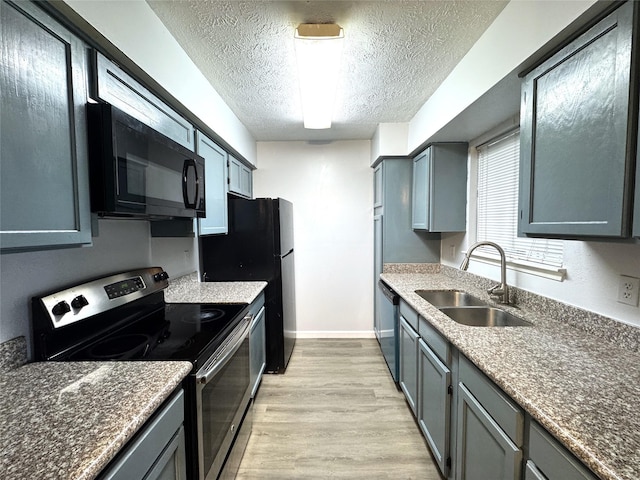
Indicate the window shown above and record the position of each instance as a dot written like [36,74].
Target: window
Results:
[497,207]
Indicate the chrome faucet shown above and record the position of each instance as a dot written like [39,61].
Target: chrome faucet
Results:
[502,290]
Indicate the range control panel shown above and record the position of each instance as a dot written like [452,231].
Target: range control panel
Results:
[124,287]
[85,300]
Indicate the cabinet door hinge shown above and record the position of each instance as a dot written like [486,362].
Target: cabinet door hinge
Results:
[450,389]
[448,462]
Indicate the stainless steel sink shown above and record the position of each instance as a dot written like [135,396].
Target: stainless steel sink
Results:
[450,298]
[484,317]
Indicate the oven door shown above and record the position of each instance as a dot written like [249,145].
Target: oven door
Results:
[222,396]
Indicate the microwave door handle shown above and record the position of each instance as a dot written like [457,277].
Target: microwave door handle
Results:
[189,162]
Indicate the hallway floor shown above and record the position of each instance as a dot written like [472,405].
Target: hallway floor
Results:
[335,413]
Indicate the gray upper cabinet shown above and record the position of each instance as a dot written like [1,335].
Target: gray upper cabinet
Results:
[215,172]
[440,188]
[377,186]
[577,150]
[44,190]
[392,197]
[240,178]
[113,85]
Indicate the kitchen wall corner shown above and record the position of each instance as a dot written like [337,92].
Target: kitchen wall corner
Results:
[121,245]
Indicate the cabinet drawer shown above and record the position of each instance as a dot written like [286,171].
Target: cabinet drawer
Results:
[409,314]
[436,342]
[503,410]
[532,473]
[552,460]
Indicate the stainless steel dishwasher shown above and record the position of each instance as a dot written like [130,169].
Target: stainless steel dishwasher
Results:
[388,333]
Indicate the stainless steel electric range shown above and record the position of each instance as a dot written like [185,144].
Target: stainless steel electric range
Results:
[125,317]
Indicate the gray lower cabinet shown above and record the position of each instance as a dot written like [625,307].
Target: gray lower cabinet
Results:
[439,195]
[532,473]
[240,178]
[257,343]
[577,147]
[434,404]
[490,430]
[215,171]
[112,84]
[44,180]
[473,429]
[258,350]
[157,452]
[408,371]
[636,211]
[548,460]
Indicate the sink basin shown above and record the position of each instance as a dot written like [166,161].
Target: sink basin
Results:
[484,317]
[450,298]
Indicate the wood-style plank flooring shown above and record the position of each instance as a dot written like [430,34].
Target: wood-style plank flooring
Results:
[335,413]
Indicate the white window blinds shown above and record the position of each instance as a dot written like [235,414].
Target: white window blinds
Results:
[497,221]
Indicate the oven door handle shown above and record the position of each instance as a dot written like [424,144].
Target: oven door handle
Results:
[227,352]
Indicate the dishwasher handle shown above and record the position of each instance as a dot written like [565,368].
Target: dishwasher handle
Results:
[388,292]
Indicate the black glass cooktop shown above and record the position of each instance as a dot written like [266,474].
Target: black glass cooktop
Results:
[176,332]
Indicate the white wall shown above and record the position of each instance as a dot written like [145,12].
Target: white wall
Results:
[521,29]
[331,187]
[136,30]
[121,245]
[389,139]
[524,27]
[593,268]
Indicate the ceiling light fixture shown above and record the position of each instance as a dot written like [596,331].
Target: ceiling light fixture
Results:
[318,51]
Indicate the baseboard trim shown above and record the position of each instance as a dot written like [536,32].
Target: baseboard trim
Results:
[336,334]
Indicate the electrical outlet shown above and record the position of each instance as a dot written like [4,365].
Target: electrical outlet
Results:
[628,288]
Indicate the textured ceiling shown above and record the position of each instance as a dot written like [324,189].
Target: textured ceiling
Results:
[396,53]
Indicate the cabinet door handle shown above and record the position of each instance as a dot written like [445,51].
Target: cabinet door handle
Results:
[188,163]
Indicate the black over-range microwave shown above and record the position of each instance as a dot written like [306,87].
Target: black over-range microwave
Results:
[136,171]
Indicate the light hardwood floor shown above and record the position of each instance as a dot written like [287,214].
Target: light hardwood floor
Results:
[335,413]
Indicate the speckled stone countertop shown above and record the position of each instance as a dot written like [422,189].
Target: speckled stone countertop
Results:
[187,289]
[67,420]
[574,372]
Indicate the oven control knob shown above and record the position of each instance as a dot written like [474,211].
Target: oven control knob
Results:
[158,277]
[79,302]
[61,308]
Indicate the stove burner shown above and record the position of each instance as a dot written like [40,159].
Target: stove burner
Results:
[206,315]
[121,347]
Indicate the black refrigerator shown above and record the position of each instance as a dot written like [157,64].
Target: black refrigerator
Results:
[259,246]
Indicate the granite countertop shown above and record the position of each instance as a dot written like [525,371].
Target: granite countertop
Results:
[188,289]
[581,385]
[67,420]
